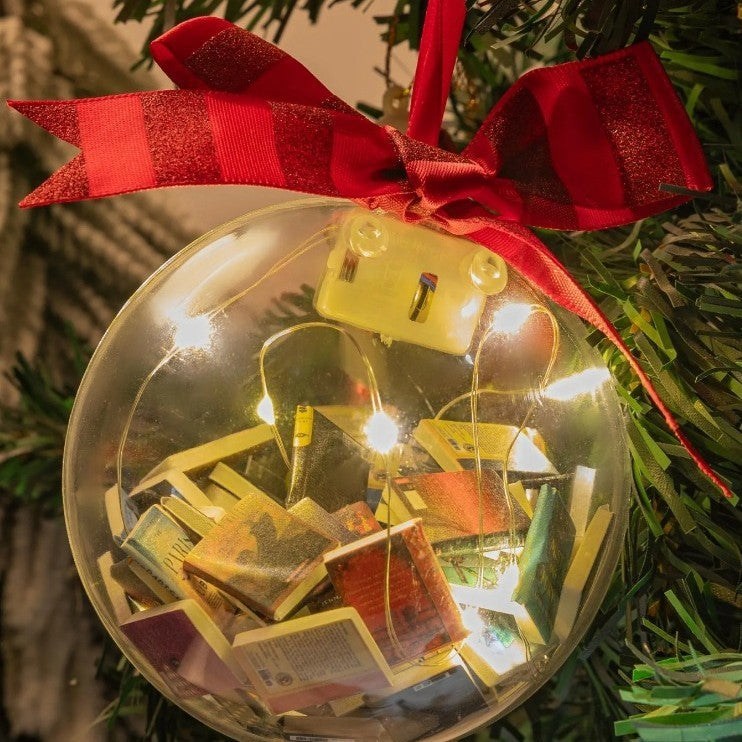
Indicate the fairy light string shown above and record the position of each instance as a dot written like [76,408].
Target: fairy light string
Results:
[383,426]
[377,415]
[179,344]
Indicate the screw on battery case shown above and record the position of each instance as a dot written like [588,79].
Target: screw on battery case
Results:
[408,283]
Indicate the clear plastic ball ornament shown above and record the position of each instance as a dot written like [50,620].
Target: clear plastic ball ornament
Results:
[330,475]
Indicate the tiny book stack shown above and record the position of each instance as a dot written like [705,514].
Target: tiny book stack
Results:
[328,464]
[449,504]
[422,615]
[312,660]
[262,555]
[451,444]
[543,566]
[157,546]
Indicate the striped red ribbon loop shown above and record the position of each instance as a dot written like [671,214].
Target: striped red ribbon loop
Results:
[584,145]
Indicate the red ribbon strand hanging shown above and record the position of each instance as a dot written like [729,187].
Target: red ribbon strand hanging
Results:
[583,145]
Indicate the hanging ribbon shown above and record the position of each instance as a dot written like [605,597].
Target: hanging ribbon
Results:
[583,145]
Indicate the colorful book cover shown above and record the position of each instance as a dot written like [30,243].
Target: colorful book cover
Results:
[319,519]
[543,566]
[158,546]
[312,660]
[424,616]
[449,505]
[186,648]
[485,582]
[262,555]
[328,464]
[358,518]
[464,570]
[451,444]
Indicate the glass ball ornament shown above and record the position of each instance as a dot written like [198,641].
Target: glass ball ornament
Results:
[330,475]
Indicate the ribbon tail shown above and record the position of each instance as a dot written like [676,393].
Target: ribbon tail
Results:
[59,118]
[139,141]
[534,260]
[590,144]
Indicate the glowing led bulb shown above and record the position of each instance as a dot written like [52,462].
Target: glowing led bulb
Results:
[571,387]
[192,332]
[265,410]
[509,320]
[381,432]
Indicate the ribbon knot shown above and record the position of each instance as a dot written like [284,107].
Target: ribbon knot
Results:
[438,186]
[584,145]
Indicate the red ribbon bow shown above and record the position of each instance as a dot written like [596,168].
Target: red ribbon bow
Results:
[584,145]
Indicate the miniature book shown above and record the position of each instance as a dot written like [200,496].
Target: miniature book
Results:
[427,706]
[319,519]
[121,515]
[579,571]
[132,585]
[158,545]
[311,660]
[423,615]
[194,460]
[170,483]
[186,648]
[451,444]
[580,500]
[327,463]
[227,478]
[220,497]
[463,571]
[358,518]
[485,581]
[262,555]
[448,503]
[543,566]
[115,592]
[390,509]
[191,519]
[495,647]
[520,493]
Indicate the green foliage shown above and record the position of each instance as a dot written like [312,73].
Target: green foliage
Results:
[32,438]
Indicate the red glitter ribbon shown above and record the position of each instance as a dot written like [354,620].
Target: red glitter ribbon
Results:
[584,145]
